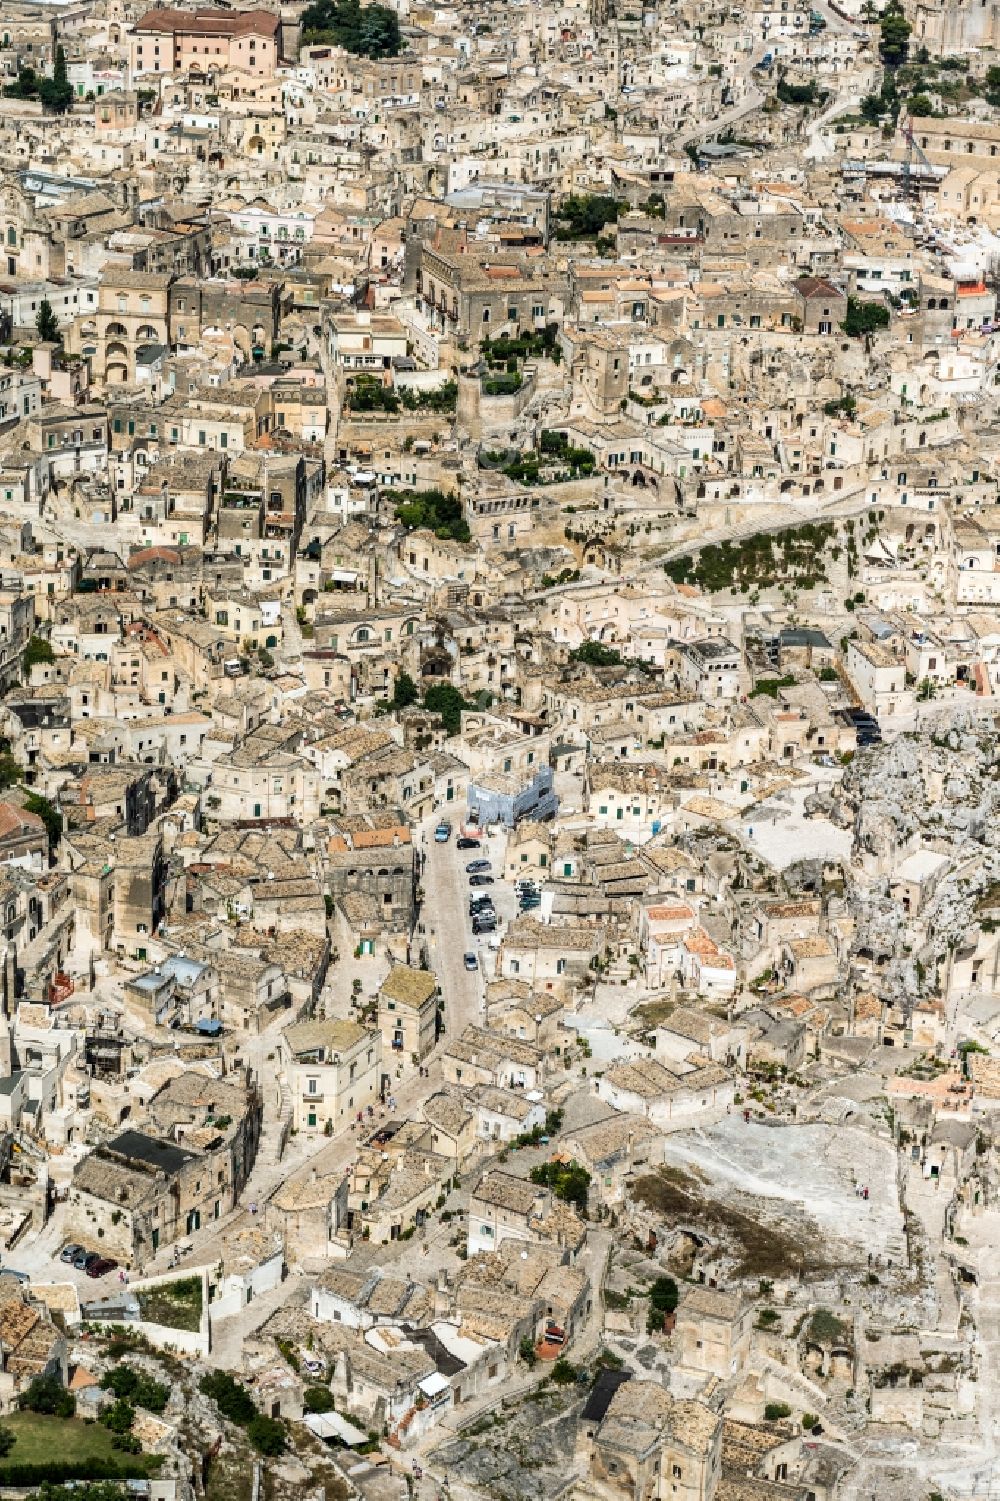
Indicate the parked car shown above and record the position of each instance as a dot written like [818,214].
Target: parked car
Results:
[465,843]
[471,961]
[68,1253]
[442,833]
[475,865]
[481,880]
[101,1267]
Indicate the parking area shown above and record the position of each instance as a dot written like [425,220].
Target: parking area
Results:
[449,925]
[39,1259]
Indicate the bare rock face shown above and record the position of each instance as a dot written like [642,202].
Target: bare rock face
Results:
[830,805]
[933,791]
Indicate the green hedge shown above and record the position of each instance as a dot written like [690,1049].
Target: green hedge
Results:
[58,1471]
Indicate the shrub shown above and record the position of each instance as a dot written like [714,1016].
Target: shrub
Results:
[48,1396]
[596,654]
[266,1434]
[37,650]
[864,317]
[583,216]
[119,1417]
[318,1399]
[775,1411]
[662,1300]
[230,1396]
[440,513]
[370,31]
[60,1472]
[135,1386]
[568,1181]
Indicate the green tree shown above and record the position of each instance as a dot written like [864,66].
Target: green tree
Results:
[230,1396]
[895,39]
[583,216]
[47,812]
[318,1399]
[119,1417]
[25,85]
[864,317]
[46,324]
[920,104]
[132,1385]
[266,1434]
[371,31]
[440,513]
[56,93]
[38,649]
[526,1350]
[662,1300]
[11,771]
[568,1181]
[404,692]
[8,1438]
[47,1395]
[445,700]
[596,654]
[796,93]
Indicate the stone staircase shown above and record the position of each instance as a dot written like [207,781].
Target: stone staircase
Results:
[274,1137]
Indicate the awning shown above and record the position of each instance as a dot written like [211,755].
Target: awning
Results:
[329,1425]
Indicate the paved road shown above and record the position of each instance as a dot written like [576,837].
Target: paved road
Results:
[447,921]
[448,926]
[750,102]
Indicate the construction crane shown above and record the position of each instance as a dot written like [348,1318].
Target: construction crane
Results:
[911,188]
